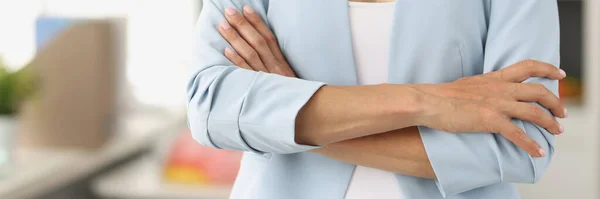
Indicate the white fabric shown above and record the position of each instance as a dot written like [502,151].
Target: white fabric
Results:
[371,25]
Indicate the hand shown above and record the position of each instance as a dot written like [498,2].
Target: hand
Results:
[486,103]
[482,103]
[256,46]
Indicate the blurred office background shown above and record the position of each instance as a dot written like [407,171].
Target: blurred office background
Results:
[105,109]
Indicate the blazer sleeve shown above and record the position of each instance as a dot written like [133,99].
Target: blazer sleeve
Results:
[517,30]
[238,109]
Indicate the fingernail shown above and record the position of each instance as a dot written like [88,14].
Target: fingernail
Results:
[542,152]
[562,73]
[248,9]
[561,128]
[230,11]
[566,113]
[229,51]
[225,25]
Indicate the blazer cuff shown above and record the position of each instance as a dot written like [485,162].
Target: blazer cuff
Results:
[458,162]
[268,114]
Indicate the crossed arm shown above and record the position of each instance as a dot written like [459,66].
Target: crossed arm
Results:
[383,150]
[399,151]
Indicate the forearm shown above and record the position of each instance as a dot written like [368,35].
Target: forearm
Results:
[399,151]
[337,113]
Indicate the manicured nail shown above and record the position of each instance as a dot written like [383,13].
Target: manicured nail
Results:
[229,51]
[542,152]
[566,113]
[225,25]
[230,11]
[248,9]
[562,73]
[561,128]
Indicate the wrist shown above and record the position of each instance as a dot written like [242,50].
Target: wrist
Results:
[408,104]
[428,104]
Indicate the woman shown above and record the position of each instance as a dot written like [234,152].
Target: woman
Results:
[429,70]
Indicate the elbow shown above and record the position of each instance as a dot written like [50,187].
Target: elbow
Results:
[536,167]
[546,141]
[516,165]
[213,116]
[200,134]
[197,123]
[198,114]
[540,165]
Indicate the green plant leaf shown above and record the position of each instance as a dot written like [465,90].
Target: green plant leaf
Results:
[15,88]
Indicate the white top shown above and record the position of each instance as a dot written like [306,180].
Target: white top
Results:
[371,25]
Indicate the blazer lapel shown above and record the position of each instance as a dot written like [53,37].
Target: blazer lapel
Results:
[315,38]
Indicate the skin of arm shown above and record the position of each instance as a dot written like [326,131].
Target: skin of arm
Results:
[399,151]
[325,119]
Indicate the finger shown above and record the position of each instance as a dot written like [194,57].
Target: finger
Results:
[523,70]
[236,59]
[518,137]
[531,113]
[241,47]
[540,94]
[256,21]
[266,33]
[252,37]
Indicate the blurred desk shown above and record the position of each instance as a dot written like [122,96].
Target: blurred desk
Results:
[141,180]
[40,171]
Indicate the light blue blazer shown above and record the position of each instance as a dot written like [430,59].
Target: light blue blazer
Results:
[433,41]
